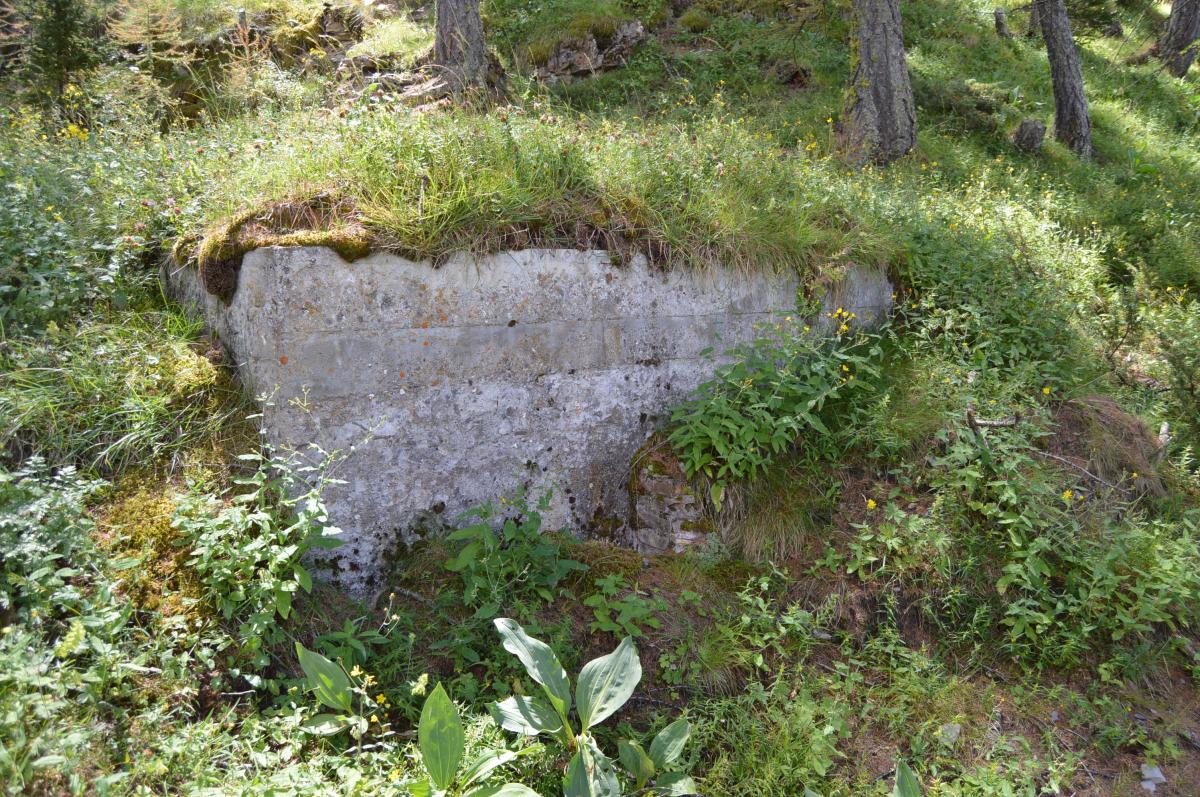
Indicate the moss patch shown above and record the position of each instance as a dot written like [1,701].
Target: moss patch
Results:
[695,20]
[318,220]
[332,28]
[136,522]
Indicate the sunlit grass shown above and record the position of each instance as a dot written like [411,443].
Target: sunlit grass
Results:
[399,37]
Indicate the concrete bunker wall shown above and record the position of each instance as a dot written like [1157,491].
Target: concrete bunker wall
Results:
[449,387]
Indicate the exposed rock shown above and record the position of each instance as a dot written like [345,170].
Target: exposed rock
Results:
[1029,136]
[1152,778]
[949,733]
[370,65]
[1002,24]
[790,73]
[858,296]
[665,512]
[331,32]
[587,56]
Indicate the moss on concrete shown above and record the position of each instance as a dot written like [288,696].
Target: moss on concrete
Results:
[313,221]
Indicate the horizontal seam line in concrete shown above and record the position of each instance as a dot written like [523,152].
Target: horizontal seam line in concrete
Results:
[502,326]
[531,378]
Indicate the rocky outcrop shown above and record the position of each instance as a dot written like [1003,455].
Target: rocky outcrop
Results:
[589,55]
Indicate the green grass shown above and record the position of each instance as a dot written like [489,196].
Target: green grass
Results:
[697,156]
[425,186]
[133,390]
[1023,281]
[399,37]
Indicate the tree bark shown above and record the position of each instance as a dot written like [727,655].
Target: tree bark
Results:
[1035,20]
[458,45]
[1177,46]
[881,120]
[1002,23]
[1072,124]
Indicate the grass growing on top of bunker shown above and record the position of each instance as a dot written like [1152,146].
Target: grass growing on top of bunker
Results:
[700,151]
[981,565]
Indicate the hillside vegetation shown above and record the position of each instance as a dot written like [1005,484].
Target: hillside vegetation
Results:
[959,555]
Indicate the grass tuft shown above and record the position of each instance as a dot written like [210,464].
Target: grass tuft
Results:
[107,395]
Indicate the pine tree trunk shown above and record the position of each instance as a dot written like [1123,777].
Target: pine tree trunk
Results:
[1035,20]
[1072,124]
[881,120]
[458,46]
[1177,46]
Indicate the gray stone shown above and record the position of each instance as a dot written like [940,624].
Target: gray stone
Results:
[666,514]
[949,733]
[1029,135]
[1153,774]
[460,384]
[863,294]
[587,56]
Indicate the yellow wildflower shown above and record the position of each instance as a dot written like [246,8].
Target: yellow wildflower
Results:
[871,503]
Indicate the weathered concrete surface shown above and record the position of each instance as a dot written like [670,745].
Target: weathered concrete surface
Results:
[456,385]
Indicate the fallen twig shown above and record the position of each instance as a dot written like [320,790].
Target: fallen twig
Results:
[1078,467]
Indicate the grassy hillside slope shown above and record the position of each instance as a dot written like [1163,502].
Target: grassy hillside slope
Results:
[977,554]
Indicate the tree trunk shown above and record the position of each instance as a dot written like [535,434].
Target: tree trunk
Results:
[1072,125]
[881,120]
[458,45]
[1177,46]
[1035,20]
